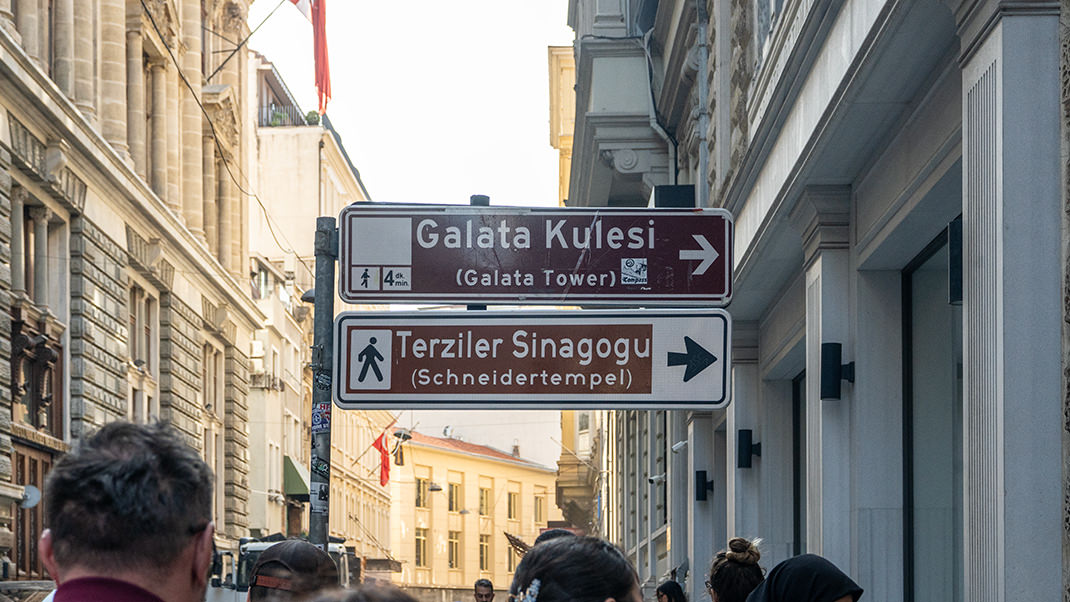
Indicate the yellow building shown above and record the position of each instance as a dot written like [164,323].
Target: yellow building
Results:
[452,503]
[562,112]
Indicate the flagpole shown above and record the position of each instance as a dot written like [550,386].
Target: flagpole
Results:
[242,43]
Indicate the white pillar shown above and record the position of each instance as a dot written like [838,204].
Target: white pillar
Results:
[174,140]
[1012,302]
[210,212]
[84,58]
[7,18]
[742,413]
[113,74]
[192,122]
[158,72]
[701,515]
[27,25]
[135,100]
[822,216]
[40,216]
[63,45]
[18,241]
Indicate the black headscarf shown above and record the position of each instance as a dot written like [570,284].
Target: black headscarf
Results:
[806,578]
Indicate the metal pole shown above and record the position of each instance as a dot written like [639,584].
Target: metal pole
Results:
[322,367]
[478,200]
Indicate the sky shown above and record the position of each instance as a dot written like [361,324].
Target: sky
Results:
[435,100]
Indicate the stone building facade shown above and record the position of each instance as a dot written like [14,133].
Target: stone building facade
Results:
[123,240]
[894,175]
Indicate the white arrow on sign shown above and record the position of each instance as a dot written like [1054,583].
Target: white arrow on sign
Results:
[707,254]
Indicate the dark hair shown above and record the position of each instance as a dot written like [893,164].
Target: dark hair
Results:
[366,593]
[483,583]
[129,496]
[583,569]
[673,591]
[549,534]
[735,571]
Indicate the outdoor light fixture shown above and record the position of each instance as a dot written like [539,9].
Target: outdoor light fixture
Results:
[832,371]
[745,448]
[434,487]
[309,296]
[702,486]
[403,434]
[679,445]
[658,478]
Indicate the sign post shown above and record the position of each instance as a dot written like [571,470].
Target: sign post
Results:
[669,359]
[465,254]
[322,368]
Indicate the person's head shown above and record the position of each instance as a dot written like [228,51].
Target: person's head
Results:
[806,578]
[365,593]
[291,570]
[549,534]
[580,569]
[735,571]
[484,590]
[131,502]
[670,591]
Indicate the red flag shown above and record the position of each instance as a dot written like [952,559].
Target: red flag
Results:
[305,6]
[319,45]
[384,458]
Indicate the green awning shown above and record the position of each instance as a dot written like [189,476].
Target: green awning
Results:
[295,479]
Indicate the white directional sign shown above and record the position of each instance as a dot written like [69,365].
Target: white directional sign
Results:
[524,359]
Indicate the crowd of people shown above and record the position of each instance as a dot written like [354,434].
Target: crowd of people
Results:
[129,515]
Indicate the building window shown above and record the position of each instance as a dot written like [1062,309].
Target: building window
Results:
[511,559]
[583,421]
[484,552]
[141,307]
[766,15]
[421,547]
[423,492]
[514,505]
[455,497]
[454,542]
[540,512]
[37,390]
[484,501]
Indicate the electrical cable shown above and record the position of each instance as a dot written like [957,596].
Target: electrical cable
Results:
[219,146]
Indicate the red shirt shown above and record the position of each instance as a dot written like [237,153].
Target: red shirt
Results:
[102,589]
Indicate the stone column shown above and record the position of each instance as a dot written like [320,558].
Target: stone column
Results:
[18,241]
[822,216]
[113,74]
[27,26]
[63,45]
[135,100]
[40,217]
[210,186]
[84,78]
[743,413]
[1012,211]
[158,72]
[226,208]
[192,121]
[174,141]
[7,18]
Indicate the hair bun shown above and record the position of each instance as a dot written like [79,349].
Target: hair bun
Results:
[743,551]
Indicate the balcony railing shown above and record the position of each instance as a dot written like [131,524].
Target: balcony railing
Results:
[280,115]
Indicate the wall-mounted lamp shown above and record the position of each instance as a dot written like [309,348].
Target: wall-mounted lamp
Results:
[702,485]
[434,487]
[679,445]
[658,478]
[746,447]
[403,434]
[832,371]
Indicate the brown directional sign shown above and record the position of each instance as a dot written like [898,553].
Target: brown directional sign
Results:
[526,359]
[515,255]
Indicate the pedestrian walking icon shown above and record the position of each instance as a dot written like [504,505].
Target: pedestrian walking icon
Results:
[364,284]
[370,357]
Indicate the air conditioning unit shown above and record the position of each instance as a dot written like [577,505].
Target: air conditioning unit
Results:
[256,365]
[256,349]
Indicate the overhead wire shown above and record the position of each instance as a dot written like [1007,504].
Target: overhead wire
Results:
[287,248]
